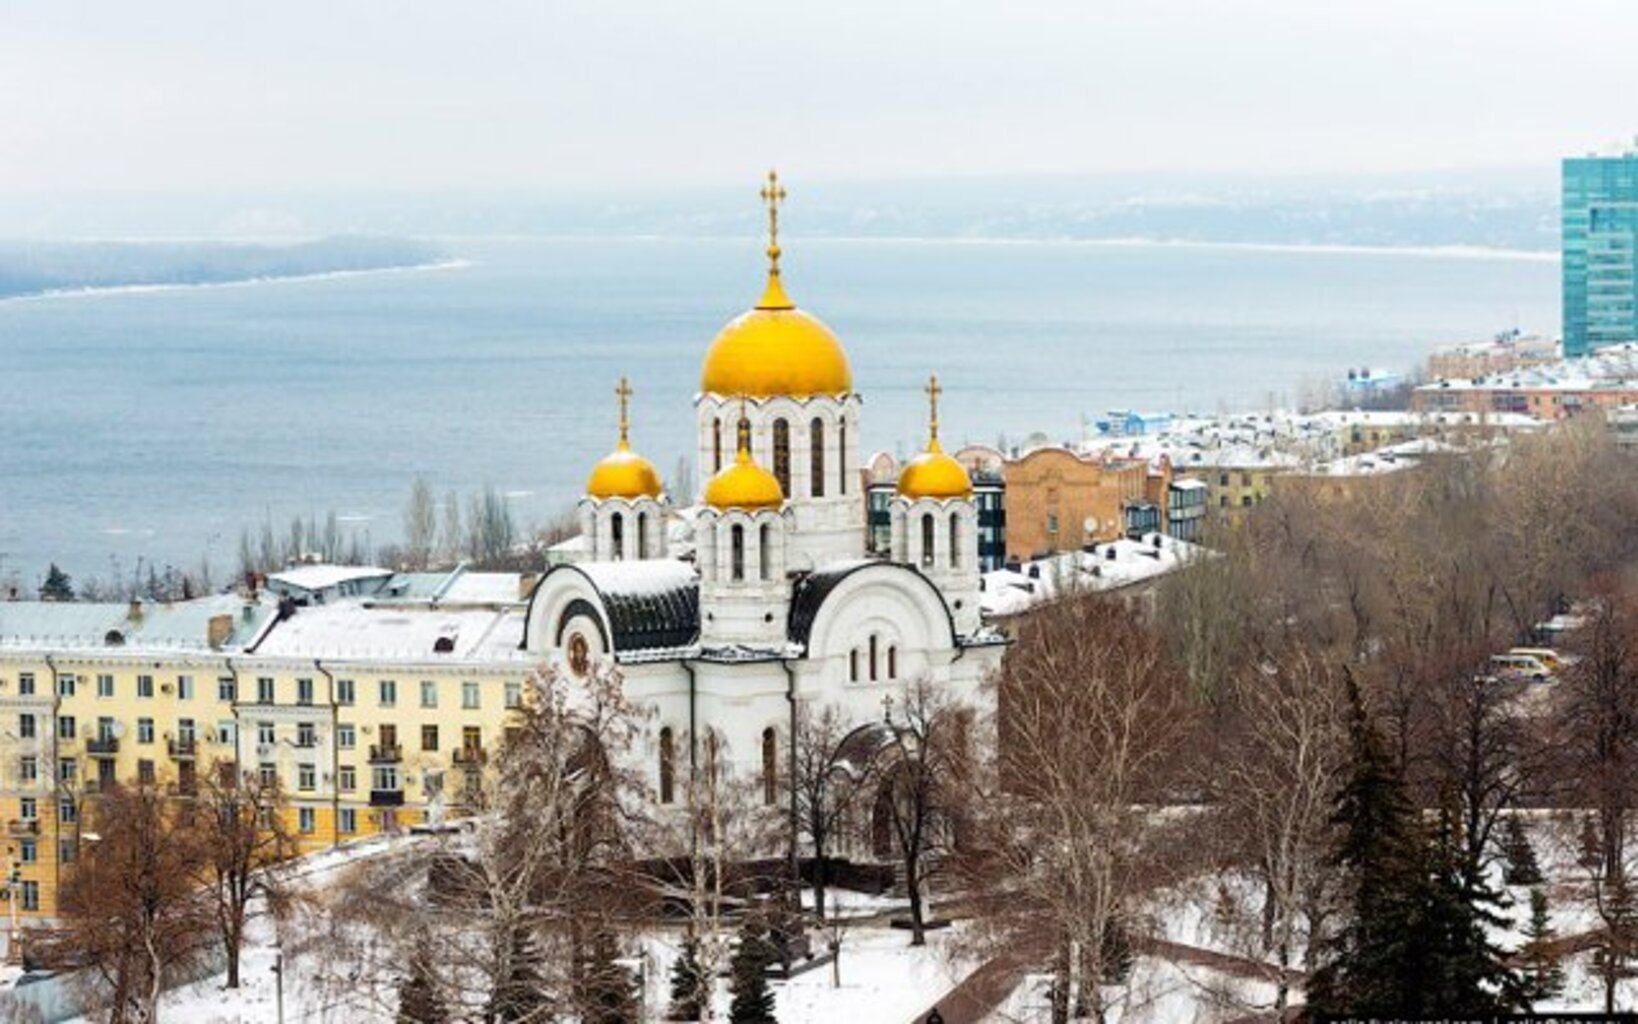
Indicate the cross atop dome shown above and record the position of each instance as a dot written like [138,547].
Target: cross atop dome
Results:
[933,391]
[622,392]
[773,296]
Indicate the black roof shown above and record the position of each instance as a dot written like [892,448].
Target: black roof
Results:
[654,618]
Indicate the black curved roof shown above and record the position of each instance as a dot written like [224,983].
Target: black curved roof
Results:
[809,593]
[648,619]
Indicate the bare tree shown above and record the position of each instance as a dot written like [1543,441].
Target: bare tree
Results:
[919,778]
[420,525]
[239,825]
[824,788]
[132,911]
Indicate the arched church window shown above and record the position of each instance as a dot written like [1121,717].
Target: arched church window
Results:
[736,552]
[617,535]
[841,457]
[716,444]
[816,468]
[873,657]
[955,540]
[927,540]
[668,766]
[853,665]
[770,766]
[892,662]
[765,550]
[642,534]
[782,455]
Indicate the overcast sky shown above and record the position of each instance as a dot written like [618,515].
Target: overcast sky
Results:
[315,94]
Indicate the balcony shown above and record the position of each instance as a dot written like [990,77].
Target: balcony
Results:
[386,753]
[470,756]
[386,798]
[29,827]
[183,748]
[102,746]
[187,787]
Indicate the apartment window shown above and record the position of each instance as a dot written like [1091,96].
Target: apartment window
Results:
[344,691]
[347,778]
[65,727]
[264,733]
[27,851]
[25,684]
[227,732]
[68,812]
[226,689]
[67,770]
[28,769]
[306,735]
[145,686]
[65,686]
[105,728]
[304,691]
[306,777]
[1245,479]
[67,851]
[145,772]
[1222,479]
[514,695]
[429,737]
[1245,501]
[264,690]
[28,809]
[184,687]
[386,692]
[384,777]
[25,727]
[145,730]
[105,685]
[31,895]
[184,729]
[346,737]
[348,822]
[429,693]
[306,820]
[269,775]
[469,696]
[1052,528]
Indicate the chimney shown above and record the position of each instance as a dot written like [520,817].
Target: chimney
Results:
[134,612]
[218,630]
[526,584]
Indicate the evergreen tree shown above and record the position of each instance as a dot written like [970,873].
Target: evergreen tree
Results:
[1371,965]
[687,983]
[57,585]
[753,1001]
[607,993]
[1522,866]
[1543,977]
[418,999]
[1469,974]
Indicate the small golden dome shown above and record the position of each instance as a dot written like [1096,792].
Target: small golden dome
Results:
[744,484]
[775,348]
[933,474]
[623,473]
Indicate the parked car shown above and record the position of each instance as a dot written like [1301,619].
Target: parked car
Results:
[1523,667]
[1554,661]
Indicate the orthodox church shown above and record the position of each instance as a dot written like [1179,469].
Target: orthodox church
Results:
[768,601]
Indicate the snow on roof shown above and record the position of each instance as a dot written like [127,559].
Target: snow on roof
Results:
[1368,464]
[323,577]
[355,630]
[161,626]
[651,576]
[482,588]
[1108,566]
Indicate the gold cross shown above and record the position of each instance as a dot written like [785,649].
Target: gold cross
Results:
[623,393]
[933,391]
[773,194]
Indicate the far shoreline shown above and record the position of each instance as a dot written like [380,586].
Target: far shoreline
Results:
[168,286]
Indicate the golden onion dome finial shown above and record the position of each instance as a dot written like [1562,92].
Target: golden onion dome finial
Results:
[933,391]
[623,473]
[774,297]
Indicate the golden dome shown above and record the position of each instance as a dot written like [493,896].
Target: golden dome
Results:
[933,474]
[623,473]
[744,484]
[775,348]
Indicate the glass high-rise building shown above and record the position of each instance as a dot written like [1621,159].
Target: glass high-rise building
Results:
[1600,251]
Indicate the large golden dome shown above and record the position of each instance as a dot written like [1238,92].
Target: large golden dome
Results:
[775,348]
[623,473]
[744,484]
[933,474]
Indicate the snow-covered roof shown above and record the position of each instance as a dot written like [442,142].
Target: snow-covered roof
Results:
[159,626]
[351,630]
[315,578]
[1108,566]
